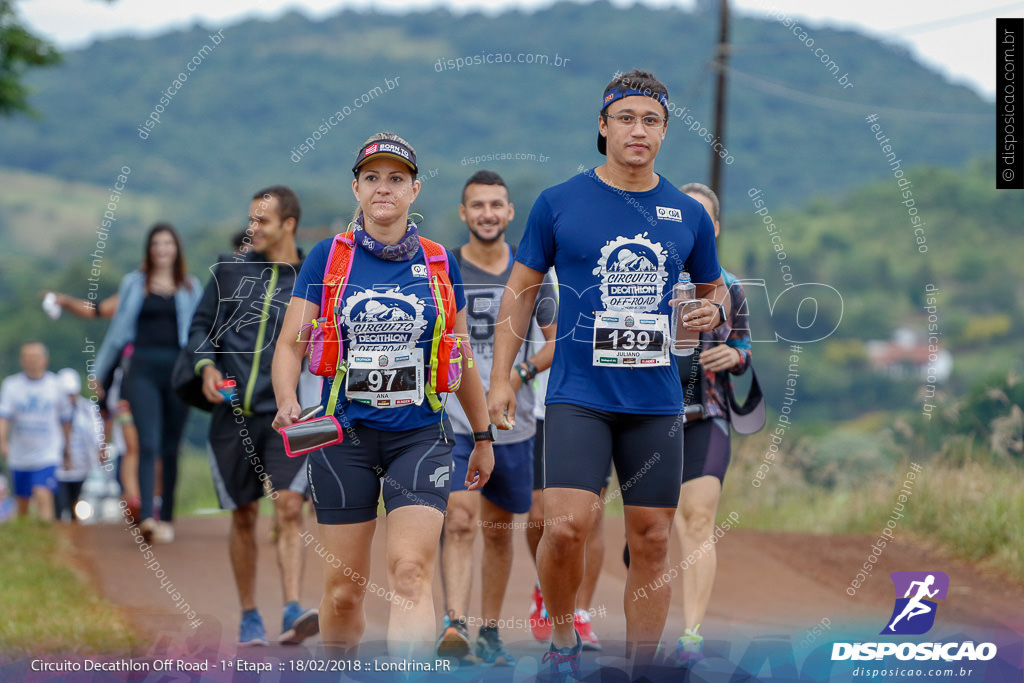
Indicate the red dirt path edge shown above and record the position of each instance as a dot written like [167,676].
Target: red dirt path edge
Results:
[768,583]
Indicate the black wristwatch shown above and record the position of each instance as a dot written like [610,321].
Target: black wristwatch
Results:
[721,314]
[490,434]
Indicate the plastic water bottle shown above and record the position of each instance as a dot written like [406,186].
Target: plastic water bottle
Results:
[226,387]
[684,340]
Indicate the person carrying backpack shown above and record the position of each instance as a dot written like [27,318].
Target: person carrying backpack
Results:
[381,312]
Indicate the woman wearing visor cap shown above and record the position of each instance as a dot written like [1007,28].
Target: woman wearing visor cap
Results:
[393,306]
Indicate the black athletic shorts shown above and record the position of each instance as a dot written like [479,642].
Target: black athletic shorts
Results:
[580,443]
[706,447]
[244,451]
[414,467]
[538,460]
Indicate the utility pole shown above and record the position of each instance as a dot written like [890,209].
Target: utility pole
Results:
[721,63]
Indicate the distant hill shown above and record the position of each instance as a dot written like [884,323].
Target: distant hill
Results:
[257,90]
[240,118]
[43,215]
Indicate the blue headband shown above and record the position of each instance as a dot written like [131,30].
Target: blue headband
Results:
[619,93]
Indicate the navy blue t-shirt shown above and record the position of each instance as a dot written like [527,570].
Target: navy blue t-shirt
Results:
[615,250]
[395,309]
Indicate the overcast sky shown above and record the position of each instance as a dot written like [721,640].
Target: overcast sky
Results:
[956,38]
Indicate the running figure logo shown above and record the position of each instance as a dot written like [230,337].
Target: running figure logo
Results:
[258,312]
[914,613]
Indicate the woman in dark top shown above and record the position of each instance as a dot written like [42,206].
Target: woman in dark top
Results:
[154,311]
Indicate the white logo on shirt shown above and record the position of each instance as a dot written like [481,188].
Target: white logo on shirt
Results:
[632,272]
[670,214]
[383,321]
[419,270]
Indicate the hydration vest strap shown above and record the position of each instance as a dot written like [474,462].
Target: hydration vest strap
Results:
[440,329]
[339,379]
[336,274]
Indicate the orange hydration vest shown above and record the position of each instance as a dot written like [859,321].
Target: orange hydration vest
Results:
[326,348]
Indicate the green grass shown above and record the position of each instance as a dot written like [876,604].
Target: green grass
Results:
[972,509]
[195,483]
[47,607]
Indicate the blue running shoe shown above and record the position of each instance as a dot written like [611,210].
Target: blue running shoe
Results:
[564,663]
[251,632]
[491,650]
[298,624]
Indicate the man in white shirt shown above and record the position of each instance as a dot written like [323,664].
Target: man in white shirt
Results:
[35,429]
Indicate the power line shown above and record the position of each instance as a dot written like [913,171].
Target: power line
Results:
[846,106]
[937,24]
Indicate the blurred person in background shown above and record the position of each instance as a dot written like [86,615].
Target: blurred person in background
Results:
[87,445]
[116,413]
[35,430]
[706,441]
[154,311]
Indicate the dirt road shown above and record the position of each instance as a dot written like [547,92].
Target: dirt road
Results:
[772,588]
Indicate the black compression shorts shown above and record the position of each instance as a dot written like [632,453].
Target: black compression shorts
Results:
[581,443]
[414,467]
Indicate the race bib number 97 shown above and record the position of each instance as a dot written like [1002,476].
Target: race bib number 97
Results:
[630,340]
[385,379]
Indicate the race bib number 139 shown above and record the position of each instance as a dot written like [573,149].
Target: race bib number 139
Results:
[630,340]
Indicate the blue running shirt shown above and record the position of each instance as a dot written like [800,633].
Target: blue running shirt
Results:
[615,250]
[395,309]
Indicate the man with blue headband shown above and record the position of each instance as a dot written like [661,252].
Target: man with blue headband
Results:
[619,236]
